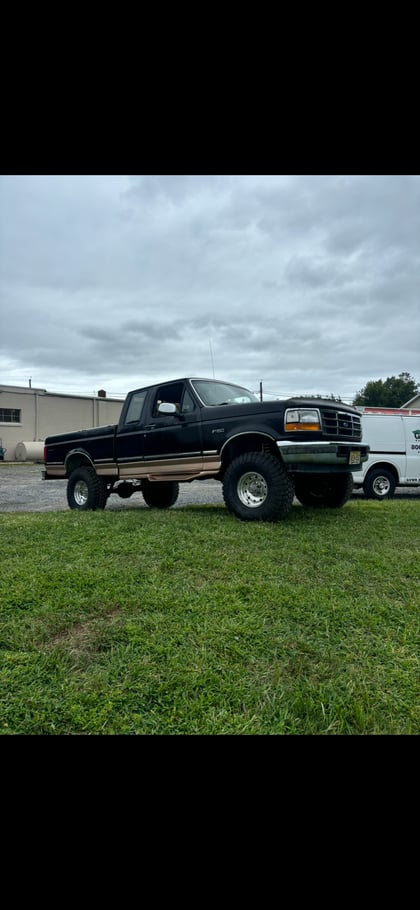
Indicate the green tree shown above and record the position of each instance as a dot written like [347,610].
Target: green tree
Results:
[391,393]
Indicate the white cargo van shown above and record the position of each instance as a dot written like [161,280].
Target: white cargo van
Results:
[393,435]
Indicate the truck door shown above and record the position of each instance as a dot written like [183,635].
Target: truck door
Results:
[172,442]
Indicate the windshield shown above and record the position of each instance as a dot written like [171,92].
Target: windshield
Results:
[217,393]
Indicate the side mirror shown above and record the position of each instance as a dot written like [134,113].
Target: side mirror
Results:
[167,407]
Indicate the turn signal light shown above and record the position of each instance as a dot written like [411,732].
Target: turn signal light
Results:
[306,419]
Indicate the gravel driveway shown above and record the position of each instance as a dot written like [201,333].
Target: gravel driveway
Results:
[23,490]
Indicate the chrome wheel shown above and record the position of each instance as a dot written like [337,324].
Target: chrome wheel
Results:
[252,490]
[81,492]
[85,490]
[379,483]
[381,486]
[256,487]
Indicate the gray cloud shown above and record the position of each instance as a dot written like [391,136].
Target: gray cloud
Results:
[310,284]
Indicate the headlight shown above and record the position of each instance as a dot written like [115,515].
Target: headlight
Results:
[302,419]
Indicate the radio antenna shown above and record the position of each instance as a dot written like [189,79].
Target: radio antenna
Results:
[211,355]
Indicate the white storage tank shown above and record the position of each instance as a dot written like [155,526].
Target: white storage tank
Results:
[29,451]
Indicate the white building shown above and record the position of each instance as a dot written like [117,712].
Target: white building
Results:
[28,415]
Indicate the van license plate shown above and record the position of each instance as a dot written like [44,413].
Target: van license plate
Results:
[354,458]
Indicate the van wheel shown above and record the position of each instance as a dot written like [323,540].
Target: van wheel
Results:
[324,491]
[160,495]
[379,484]
[85,490]
[256,487]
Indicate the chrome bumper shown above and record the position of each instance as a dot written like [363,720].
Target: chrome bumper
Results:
[322,456]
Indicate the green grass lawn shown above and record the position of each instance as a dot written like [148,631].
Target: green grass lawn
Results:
[188,621]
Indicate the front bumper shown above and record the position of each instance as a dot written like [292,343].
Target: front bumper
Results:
[322,456]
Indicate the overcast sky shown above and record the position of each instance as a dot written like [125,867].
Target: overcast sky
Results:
[308,284]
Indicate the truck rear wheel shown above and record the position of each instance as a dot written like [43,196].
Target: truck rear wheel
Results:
[85,490]
[324,491]
[256,487]
[160,495]
[379,484]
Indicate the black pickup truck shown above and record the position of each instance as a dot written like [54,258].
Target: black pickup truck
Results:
[263,452]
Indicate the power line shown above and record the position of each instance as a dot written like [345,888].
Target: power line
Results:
[282,395]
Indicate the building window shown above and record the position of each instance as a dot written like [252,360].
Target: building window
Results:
[9,415]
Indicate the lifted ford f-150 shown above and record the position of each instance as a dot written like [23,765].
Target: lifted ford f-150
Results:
[263,452]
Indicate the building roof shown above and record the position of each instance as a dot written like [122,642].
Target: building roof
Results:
[32,390]
[413,401]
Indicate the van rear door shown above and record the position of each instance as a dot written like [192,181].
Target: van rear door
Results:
[412,436]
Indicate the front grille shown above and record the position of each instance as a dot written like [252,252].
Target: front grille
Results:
[342,424]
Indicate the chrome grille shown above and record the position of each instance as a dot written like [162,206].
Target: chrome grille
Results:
[341,423]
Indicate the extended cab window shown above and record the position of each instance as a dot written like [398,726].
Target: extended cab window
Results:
[135,407]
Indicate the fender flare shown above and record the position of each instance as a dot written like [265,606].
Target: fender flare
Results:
[249,431]
[82,457]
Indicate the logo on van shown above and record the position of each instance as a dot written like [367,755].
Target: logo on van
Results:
[416,434]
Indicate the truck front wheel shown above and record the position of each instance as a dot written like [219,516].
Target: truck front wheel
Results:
[85,490]
[160,495]
[324,491]
[379,484]
[256,487]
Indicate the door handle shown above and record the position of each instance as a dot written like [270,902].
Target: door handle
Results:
[151,426]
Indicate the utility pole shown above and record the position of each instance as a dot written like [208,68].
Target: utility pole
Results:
[261,392]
